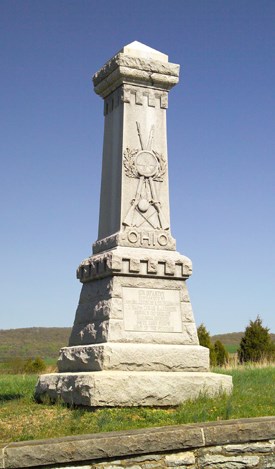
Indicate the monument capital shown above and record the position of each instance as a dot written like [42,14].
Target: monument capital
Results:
[136,64]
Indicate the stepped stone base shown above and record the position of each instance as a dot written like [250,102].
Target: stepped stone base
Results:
[133,357]
[130,388]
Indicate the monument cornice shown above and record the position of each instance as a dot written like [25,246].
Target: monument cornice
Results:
[133,261]
[125,69]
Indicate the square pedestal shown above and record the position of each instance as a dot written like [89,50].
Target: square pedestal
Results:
[130,388]
[133,357]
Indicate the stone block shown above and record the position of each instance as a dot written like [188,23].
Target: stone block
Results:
[269,462]
[183,459]
[237,431]
[259,447]
[134,309]
[133,357]
[130,388]
[101,446]
[228,462]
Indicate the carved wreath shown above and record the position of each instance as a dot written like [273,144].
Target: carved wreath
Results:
[129,161]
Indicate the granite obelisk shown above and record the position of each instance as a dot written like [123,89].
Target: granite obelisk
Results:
[134,339]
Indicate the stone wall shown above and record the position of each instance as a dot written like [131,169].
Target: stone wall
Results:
[244,443]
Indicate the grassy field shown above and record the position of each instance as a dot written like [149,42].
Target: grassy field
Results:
[23,419]
[32,342]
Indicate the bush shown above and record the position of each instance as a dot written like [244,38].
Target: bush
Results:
[221,354]
[34,366]
[17,365]
[204,336]
[256,344]
[217,353]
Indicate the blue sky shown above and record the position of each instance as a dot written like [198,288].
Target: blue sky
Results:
[221,143]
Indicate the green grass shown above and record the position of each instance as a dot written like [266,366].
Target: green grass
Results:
[23,419]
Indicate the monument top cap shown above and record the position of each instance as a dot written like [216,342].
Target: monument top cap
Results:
[139,65]
[137,49]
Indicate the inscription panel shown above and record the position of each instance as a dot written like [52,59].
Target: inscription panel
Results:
[151,310]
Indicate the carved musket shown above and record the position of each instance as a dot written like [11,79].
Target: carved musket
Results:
[157,205]
[130,214]
[139,134]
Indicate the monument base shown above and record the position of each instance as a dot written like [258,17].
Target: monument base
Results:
[130,388]
[133,357]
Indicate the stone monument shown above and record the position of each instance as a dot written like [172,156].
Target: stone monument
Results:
[134,340]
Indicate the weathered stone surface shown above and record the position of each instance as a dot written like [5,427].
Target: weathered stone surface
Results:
[228,462]
[186,458]
[134,309]
[122,388]
[152,459]
[111,465]
[130,260]
[259,447]
[268,462]
[100,446]
[234,430]
[136,63]
[241,448]
[132,238]
[148,448]
[134,357]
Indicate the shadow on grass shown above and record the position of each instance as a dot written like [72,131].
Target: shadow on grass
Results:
[10,397]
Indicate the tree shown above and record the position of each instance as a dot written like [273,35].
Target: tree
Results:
[204,336]
[205,341]
[221,353]
[256,344]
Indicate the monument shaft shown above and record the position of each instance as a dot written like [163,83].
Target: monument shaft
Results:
[134,321]
[134,200]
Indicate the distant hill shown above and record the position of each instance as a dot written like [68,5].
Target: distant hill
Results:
[232,338]
[46,342]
